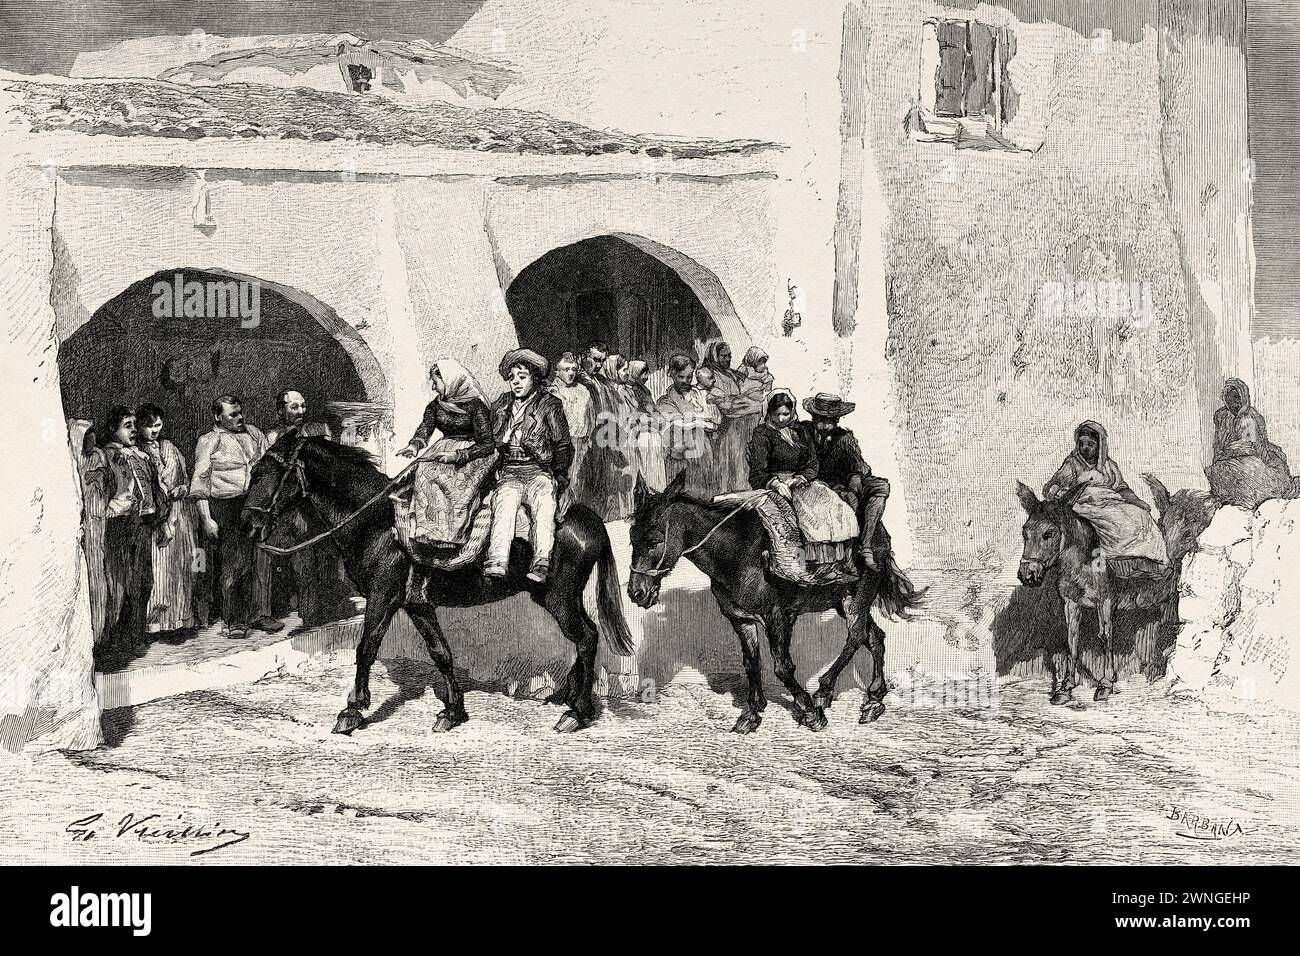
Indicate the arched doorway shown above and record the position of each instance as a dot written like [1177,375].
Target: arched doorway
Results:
[178,339]
[135,349]
[641,299]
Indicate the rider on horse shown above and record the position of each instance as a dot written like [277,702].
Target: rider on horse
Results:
[842,467]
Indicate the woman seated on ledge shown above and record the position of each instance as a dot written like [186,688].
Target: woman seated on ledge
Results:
[1250,470]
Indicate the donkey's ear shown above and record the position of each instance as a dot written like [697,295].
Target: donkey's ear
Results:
[640,493]
[676,487]
[1159,492]
[1028,499]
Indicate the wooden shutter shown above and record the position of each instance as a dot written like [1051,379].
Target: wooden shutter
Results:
[950,83]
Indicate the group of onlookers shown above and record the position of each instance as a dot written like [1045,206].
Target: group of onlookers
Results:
[162,543]
[585,430]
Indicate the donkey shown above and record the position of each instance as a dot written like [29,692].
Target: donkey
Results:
[729,545]
[1057,538]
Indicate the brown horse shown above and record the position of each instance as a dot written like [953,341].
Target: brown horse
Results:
[1057,538]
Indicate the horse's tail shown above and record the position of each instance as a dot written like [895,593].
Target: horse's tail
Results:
[609,600]
[896,595]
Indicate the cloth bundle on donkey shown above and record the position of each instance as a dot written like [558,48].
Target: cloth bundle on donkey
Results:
[470,553]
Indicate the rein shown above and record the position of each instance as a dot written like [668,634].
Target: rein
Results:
[295,464]
[659,570]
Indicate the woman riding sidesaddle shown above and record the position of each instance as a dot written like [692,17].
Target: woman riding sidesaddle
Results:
[1130,541]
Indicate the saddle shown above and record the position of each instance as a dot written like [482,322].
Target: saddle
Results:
[787,558]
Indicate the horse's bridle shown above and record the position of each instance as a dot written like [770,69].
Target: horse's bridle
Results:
[289,466]
[658,571]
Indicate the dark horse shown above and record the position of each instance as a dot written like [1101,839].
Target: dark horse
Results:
[330,482]
[729,545]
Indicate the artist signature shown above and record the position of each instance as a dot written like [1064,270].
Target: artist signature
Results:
[153,829]
[1196,826]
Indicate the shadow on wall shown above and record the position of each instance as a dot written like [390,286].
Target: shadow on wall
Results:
[1029,637]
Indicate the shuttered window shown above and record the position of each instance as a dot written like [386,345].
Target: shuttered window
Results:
[966,78]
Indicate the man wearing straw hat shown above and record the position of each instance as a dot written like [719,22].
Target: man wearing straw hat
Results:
[843,468]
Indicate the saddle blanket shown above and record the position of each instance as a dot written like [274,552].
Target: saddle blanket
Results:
[450,559]
[788,557]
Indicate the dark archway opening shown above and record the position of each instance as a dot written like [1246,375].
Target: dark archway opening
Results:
[605,289]
[127,355]
[247,339]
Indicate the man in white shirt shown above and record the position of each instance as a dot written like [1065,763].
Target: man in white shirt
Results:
[223,466]
[579,412]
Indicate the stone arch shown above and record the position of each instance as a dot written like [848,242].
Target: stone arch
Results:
[642,298]
[701,280]
[335,362]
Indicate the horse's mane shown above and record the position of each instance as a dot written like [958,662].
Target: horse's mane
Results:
[710,506]
[345,454]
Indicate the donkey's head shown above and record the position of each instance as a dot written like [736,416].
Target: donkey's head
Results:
[278,483]
[1182,516]
[1045,532]
[656,542]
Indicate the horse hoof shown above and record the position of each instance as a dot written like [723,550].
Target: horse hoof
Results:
[446,722]
[359,703]
[349,720]
[814,720]
[871,712]
[746,724]
[571,723]
[557,698]
[1061,697]
[823,699]
[1103,692]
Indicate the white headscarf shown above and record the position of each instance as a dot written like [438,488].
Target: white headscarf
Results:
[458,386]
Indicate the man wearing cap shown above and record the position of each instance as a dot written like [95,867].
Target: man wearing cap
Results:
[843,468]
[535,454]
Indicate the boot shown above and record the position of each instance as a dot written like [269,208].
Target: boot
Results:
[871,513]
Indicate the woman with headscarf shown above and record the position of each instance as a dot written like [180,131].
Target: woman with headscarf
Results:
[621,431]
[1249,469]
[448,485]
[604,469]
[757,382]
[1227,419]
[1122,520]
[742,411]
[645,441]
[92,466]
[783,460]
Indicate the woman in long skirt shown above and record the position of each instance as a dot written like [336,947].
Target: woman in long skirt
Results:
[175,564]
[448,485]
[92,470]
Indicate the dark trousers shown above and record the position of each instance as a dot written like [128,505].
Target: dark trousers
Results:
[238,568]
[128,573]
